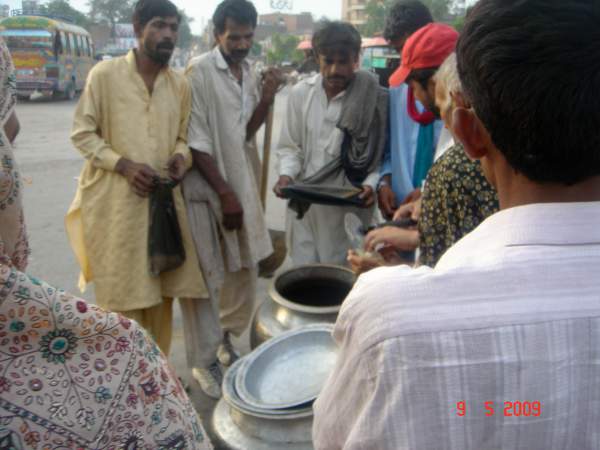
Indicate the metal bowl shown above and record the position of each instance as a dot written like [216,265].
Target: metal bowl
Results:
[232,398]
[288,371]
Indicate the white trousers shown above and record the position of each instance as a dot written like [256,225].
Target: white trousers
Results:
[320,236]
[204,322]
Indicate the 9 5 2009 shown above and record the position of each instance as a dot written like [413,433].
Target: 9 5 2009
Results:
[507,408]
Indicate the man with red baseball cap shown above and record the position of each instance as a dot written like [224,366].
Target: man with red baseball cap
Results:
[422,55]
[397,185]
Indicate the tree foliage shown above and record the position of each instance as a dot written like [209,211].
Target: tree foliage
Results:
[284,49]
[377,10]
[111,12]
[64,10]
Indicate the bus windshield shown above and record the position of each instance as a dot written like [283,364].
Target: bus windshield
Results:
[27,39]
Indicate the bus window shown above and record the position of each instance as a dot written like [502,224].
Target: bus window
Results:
[88,46]
[63,41]
[77,49]
[28,39]
[58,49]
[69,45]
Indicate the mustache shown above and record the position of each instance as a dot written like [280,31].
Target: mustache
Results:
[336,78]
[240,52]
[166,46]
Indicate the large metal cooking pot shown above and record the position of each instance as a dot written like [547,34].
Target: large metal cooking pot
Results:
[240,431]
[304,295]
[241,427]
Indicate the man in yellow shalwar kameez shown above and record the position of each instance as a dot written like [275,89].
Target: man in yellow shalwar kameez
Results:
[131,126]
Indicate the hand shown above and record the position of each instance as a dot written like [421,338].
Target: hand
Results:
[233,213]
[400,239]
[284,181]
[413,196]
[176,166]
[272,79]
[367,196]
[141,177]
[409,211]
[387,201]
[362,264]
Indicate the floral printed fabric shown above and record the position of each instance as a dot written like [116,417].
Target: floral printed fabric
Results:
[456,199]
[73,376]
[14,246]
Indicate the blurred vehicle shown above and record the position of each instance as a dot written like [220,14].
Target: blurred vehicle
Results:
[380,58]
[52,57]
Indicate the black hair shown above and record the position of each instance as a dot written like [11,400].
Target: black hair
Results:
[531,70]
[146,10]
[404,18]
[422,76]
[241,12]
[336,36]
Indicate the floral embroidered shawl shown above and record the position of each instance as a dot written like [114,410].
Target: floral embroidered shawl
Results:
[73,376]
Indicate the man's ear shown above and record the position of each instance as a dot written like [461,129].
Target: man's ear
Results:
[469,130]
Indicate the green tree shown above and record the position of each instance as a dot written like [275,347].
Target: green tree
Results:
[111,12]
[377,10]
[63,9]
[284,49]
[256,49]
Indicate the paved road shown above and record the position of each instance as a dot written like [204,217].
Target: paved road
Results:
[50,166]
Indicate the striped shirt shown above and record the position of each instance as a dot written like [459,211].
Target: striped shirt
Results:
[495,348]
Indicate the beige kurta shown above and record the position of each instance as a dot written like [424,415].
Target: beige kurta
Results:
[107,223]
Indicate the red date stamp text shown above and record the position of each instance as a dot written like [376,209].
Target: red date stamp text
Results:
[508,409]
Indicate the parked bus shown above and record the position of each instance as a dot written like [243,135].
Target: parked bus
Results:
[52,57]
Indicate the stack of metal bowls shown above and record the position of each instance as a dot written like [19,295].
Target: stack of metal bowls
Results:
[268,395]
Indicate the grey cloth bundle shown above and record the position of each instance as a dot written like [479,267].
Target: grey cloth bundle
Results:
[363,121]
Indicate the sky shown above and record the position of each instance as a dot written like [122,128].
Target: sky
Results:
[202,10]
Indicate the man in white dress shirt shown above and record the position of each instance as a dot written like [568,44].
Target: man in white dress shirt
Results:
[497,347]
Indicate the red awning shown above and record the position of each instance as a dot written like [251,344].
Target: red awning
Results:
[305,45]
[374,42]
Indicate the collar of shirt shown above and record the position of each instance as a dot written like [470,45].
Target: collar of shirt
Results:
[221,63]
[132,63]
[317,82]
[548,224]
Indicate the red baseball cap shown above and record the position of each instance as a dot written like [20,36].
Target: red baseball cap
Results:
[427,48]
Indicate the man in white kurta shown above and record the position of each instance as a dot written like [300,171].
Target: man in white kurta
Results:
[310,140]
[226,98]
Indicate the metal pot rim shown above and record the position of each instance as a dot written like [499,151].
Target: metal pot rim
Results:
[277,298]
[233,400]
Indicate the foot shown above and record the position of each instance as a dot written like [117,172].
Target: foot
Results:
[226,353]
[209,379]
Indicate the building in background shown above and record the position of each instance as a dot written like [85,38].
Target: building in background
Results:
[353,11]
[301,25]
